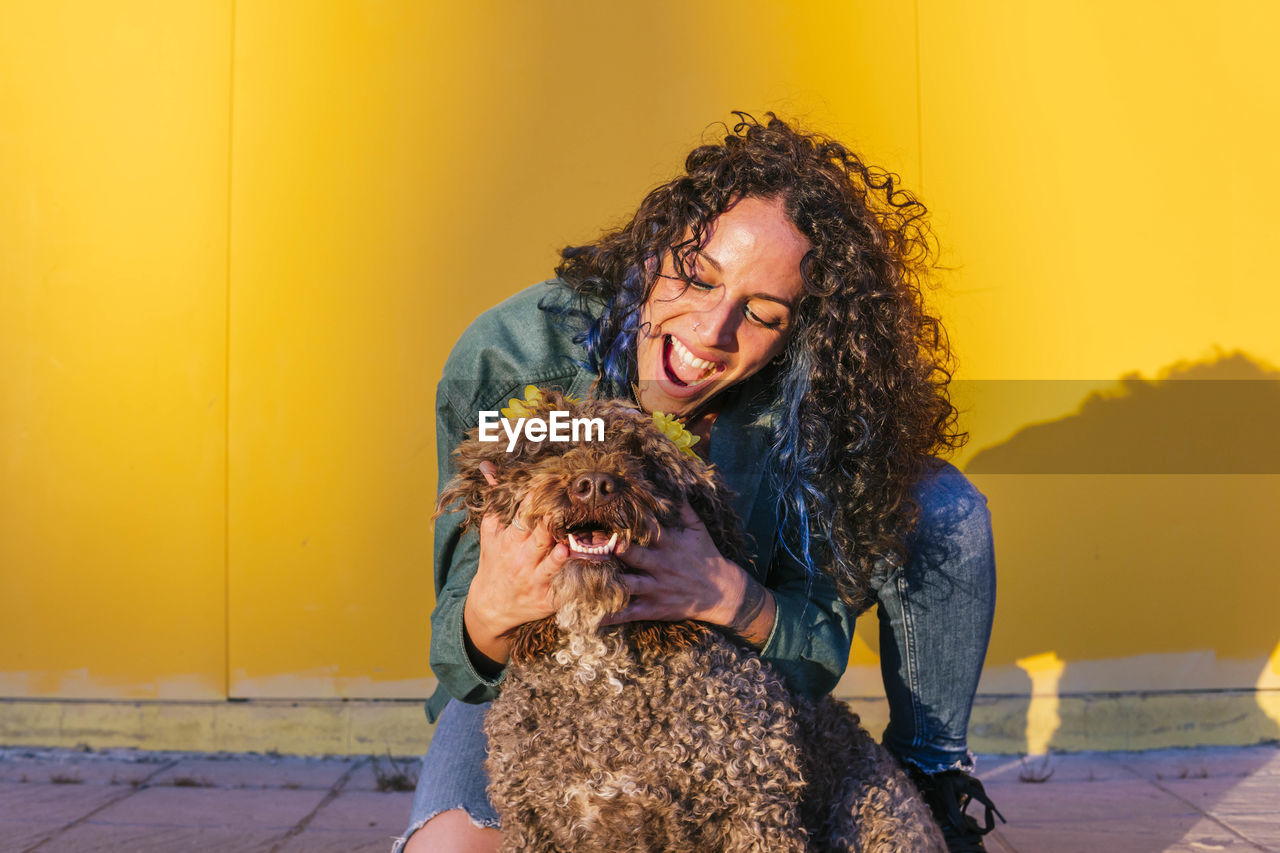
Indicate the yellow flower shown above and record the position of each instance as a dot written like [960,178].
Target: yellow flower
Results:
[525,408]
[675,430]
[528,407]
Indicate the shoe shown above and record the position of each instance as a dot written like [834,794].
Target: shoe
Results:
[949,794]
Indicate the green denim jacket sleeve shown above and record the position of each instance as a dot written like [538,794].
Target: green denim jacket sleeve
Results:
[516,344]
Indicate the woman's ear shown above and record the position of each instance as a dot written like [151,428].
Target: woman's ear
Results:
[490,472]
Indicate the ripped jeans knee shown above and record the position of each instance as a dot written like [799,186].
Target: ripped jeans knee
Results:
[452,775]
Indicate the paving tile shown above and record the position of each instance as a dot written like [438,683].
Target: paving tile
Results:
[1094,802]
[328,841]
[995,843]
[20,836]
[361,810]
[52,804]
[1202,762]
[1224,795]
[160,839]
[1122,836]
[1083,801]
[1262,829]
[1060,767]
[76,767]
[212,807]
[31,812]
[289,773]
[1204,842]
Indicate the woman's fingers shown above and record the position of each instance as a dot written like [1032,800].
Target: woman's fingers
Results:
[525,549]
[647,601]
[648,598]
[541,534]
[634,612]
[512,585]
[553,553]
[640,557]
[682,575]
[639,585]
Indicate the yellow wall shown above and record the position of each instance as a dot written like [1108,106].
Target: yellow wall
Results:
[238,239]
[113,285]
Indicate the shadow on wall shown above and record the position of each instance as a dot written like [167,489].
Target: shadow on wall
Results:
[1217,417]
[1135,539]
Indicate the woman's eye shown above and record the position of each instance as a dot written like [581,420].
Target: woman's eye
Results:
[701,285]
[768,322]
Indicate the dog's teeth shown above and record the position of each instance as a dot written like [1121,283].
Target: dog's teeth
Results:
[579,548]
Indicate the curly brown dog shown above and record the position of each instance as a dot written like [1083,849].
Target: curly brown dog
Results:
[658,736]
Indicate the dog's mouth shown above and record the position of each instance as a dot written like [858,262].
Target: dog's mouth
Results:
[593,541]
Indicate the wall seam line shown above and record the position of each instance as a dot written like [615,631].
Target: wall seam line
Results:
[919,104]
[226,434]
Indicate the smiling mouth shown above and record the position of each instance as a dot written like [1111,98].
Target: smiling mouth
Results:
[682,367]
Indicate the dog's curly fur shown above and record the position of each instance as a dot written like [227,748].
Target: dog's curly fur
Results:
[659,736]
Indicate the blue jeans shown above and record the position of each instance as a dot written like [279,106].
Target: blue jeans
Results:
[935,620]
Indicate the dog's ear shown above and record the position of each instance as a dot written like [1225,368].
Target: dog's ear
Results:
[488,480]
[489,475]
[478,474]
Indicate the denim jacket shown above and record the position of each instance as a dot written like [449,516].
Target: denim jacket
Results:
[516,344]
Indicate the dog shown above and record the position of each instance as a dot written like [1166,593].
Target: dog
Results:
[648,736]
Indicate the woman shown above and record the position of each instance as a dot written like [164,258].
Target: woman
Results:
[771,297]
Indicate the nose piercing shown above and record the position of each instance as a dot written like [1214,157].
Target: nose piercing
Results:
[697,326]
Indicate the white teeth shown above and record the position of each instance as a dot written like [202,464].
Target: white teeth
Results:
[689,358]
[607,548]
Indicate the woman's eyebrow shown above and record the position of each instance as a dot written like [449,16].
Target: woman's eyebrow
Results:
[778,299]
[715,265]
[786,303]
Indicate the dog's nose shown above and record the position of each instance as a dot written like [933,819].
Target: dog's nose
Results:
[594,488]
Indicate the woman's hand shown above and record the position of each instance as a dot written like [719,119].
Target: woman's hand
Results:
[512,585]
[684,576]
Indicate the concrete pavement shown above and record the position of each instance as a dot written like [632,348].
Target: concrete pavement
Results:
[1209,798]
[126,800]
[123,800]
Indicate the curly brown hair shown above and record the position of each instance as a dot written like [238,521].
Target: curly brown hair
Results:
[864,398]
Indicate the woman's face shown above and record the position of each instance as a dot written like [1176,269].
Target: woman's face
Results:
[698,340]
